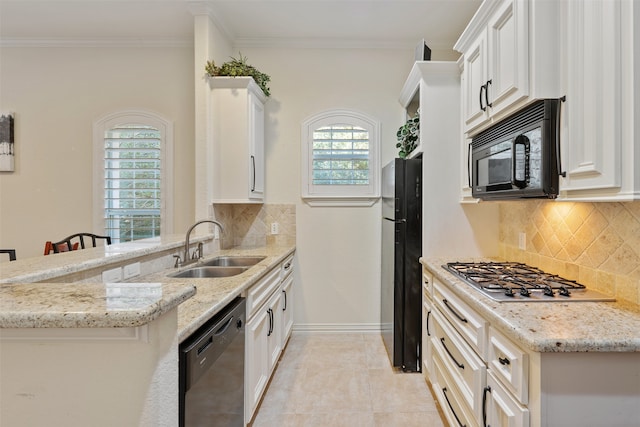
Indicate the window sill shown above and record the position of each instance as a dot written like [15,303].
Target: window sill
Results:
[340,202]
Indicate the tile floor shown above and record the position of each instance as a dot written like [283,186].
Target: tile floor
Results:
[343,380]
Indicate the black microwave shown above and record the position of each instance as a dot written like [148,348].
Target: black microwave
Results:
[518,157]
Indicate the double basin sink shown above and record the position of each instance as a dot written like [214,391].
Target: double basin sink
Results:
[222,266]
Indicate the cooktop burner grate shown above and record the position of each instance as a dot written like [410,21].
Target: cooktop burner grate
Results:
[512,281]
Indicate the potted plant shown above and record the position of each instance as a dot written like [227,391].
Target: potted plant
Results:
[408,135]
[237,67]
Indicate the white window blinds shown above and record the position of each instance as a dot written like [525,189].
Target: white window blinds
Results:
[132,182]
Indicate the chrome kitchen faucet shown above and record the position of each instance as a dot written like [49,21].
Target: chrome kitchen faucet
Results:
[199,252]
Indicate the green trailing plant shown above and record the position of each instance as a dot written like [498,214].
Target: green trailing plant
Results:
[238,67]
[408,135]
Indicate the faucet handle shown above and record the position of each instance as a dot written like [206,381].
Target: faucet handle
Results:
[178,261]
[198,253]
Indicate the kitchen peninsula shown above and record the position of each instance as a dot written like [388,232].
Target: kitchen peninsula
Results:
[77,351]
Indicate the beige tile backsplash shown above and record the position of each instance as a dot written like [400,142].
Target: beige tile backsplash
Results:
[597,244]
[248,225]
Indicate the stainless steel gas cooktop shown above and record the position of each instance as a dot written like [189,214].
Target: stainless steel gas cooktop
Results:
[512,281]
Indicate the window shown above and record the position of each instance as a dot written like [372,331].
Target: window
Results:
[340,159]
[132,180]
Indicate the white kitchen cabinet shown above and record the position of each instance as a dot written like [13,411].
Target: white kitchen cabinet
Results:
[237,120]
[513,387]
[269,324]
[427,88]
[263,340]
[502,409]
[599,149]
[427,325]
[510,56]
[287,300]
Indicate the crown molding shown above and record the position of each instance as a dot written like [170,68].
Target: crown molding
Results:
[325,43]
[102,42]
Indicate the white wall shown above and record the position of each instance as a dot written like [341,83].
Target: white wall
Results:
[56,94]
[338,249]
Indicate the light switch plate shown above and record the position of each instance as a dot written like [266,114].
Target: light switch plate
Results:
[275,228]
[522,241]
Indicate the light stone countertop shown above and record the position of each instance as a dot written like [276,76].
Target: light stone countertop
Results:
[25,304]
[213,294]
[552,326]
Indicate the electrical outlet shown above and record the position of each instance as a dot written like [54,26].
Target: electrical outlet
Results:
[216,233]
[522,241]
[275,228]
[131,270]
[113,275]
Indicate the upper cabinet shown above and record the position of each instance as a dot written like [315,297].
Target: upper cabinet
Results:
[600,154]
[428,88]
[237,111]
[510,55]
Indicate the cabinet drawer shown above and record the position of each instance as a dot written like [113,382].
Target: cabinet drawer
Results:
[455,410]
[465,367]
[427,283]
[509,364]
[286,267]
[259,293]
[465,320]
[502,410]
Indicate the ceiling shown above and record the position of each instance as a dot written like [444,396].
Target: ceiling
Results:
[374,23]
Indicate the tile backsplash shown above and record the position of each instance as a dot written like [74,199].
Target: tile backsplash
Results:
[597,244]
[248,225]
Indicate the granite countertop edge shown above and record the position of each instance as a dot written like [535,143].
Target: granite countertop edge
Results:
[131,303]
[554,327]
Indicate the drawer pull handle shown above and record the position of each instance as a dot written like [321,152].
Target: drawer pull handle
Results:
[460,365]
[504,361]
[444,391]
[486,390]
[462,319]
[428,315]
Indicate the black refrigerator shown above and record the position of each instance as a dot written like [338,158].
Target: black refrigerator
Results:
[401,288]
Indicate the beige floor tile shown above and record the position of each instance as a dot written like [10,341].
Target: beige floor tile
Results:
[343,380]
[407,419]
[395,391]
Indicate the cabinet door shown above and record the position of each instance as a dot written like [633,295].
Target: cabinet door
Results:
[502,410]
[256,360]
[592,147]
[508,56]
[256,148]
[287,308]
[427,319]
[475,77]
[274,333]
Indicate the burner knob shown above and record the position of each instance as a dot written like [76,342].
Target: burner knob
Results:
[548,291]
[564,291]
[509,292]
[525,292]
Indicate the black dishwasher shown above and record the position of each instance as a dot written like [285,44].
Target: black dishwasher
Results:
[212,370]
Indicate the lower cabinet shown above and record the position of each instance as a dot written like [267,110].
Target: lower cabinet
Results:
[269,324]
[478,375]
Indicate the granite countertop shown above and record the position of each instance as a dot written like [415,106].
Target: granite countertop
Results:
[24,304]
[88,305]
[547,327]
[213,294]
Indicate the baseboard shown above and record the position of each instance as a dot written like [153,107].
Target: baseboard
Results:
[337,327]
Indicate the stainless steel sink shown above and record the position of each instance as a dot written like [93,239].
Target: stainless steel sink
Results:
[205,272]
[233,261]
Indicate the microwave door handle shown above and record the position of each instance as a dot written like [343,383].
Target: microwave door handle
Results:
[521,161]
[557,130]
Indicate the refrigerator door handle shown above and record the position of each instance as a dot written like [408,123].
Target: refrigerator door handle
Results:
[396,221]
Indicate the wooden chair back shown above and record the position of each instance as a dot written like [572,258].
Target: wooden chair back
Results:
[11,252]
[74,242]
